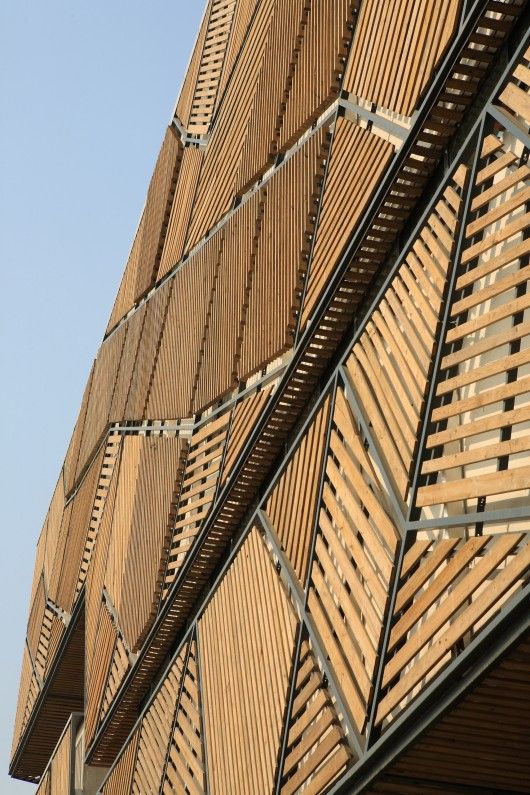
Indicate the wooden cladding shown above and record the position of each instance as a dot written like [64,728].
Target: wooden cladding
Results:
[58,776]
[165,753]
[357,161]
[353,562]
[245,687]
[396,48]
[449,589]
[292,505]
[125,580]
[144,260]
[211,65]
[316,750]
[60,569]
[390,364]
[479,442]
[515,97]
[181,211]
[196,493]
[297,489]
[290,201]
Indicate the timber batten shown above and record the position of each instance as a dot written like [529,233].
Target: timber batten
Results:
[295,503]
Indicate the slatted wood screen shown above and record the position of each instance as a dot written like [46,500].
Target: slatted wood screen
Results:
[124,591]
[480,424]
[166,752]
[292,505]
[357,161]
[181,211]
[257,640]
[391,68]
[144,259]
[185,761]
[353,563]
[449,588]
[281,255]
[61,766]
[316,748]
[249,556]
[197,491]
[183,336]
[390,364]
[120,779]
[211,64]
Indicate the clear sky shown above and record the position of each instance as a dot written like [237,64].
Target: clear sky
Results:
[86,89]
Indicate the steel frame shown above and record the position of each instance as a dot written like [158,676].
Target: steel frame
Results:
[511,622]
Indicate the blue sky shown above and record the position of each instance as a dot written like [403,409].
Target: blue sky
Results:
[86,90]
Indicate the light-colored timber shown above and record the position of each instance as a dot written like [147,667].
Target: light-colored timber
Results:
[288,552]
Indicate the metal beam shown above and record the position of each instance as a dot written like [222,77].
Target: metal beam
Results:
[298,596]
[504,631]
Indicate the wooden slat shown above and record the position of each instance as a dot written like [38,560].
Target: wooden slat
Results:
[415,35]
[353,563]
[292,504]
[175,241]
[281,255]
[183,334]
[186,761]
[482,407]
[464,588]
[316,747]
[198,485]
[120,780]
[61,764]
[245,689]
[358,158]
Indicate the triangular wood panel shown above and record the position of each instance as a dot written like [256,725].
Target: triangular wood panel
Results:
[317,750]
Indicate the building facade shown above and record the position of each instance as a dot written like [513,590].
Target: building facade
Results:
[288,547]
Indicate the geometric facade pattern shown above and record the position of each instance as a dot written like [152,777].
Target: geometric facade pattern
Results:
[291,531]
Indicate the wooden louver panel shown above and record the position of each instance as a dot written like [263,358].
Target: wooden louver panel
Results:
[317,751]
[125,298]
[221,159]
[182,341]
[165,754]
[185,766]
[390,365]
[396,48]
[144,260]
[199,484]
[480,440]
[61,764]
[149,473]
[449,589]
[72,454]
[281,257]
[292,505]
[211,65]
[353,563]
[175,242]
[318,65]
[119,781]
[245,688]
[220,349]
[515,96]
[149,330]
[154,734]
[358,159]
[244,416]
